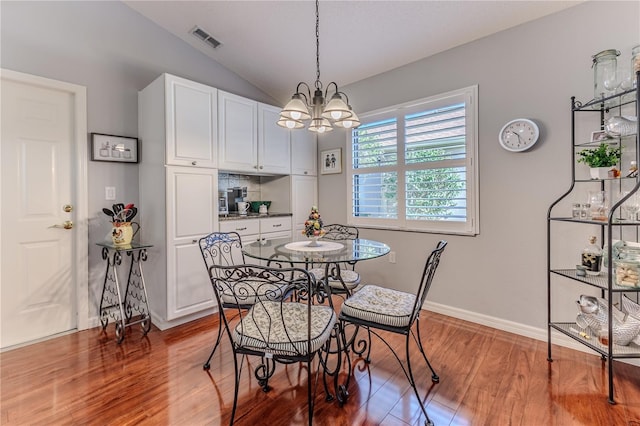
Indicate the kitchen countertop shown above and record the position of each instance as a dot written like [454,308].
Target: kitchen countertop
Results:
[251,215]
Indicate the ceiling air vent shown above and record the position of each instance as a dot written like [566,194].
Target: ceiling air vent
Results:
[205,36]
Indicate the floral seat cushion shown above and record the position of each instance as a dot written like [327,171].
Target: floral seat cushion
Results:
[351,278]
[380,305]
[281,328]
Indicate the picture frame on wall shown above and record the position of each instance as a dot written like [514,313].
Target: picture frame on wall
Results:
[331,161]
[112,148]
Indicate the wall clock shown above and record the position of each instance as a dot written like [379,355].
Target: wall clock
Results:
[519,135]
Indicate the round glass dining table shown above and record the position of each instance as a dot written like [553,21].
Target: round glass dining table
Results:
[304,253]
[330,254]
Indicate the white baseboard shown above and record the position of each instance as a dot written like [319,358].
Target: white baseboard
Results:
[164,325]
[514,327]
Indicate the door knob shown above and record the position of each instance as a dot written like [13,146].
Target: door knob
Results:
[67,208]
[67,224]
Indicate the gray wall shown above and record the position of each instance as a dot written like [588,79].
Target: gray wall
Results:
[114,52]
[528,71]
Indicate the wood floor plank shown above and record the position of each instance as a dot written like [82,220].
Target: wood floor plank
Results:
[487,377]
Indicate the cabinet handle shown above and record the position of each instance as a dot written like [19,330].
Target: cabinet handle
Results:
[255,167]
[277,226]
[193,163]
[241,229]
[194,241]
[306,172]
[261,167]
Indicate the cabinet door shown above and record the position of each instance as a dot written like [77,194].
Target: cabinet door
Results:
[237,133]
[274,148]
[191,214]
[304,153]
[191,122]
[304,195]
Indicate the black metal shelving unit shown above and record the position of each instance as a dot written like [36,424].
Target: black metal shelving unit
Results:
[614,228]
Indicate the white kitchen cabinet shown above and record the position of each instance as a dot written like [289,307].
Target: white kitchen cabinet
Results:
[304,195]
[186,120]
[276,227]
[304,153]
[178,204]
[237,133]
[250,141]
[248,229]
[252,230]
[191,214]
[274,147]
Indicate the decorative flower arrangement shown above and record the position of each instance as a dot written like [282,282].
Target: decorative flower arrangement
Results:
[313,225]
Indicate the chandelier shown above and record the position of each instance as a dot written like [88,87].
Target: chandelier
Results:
[303,107]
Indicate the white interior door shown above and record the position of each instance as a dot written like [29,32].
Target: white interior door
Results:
[41,210]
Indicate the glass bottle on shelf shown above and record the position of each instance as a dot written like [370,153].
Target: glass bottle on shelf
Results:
[592,257]
[605,79]
[576,210]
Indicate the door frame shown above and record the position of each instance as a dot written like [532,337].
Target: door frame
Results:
[80,271]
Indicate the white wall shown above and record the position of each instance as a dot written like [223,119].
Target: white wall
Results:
[114,52]
[529,71]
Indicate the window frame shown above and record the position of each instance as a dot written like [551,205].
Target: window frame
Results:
[468,95]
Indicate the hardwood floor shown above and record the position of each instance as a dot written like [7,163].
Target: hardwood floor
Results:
[487,377]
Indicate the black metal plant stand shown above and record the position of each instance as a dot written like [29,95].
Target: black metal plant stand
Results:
[133,308]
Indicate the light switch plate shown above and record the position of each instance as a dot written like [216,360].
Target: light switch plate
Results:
[110,193]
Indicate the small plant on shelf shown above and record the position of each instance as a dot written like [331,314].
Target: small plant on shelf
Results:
[604,155]
[313,225]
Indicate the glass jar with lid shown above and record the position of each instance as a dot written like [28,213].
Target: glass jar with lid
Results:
[605,79]
[627,266]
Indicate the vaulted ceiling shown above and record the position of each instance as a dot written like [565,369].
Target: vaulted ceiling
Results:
[272,44]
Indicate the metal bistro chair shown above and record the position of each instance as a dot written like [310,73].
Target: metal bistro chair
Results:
[224,248]
[343,278]
[275,329]
[378,308]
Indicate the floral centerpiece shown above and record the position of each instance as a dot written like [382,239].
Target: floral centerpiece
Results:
[313,226]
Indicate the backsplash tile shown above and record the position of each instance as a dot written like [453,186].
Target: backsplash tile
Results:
[229,180]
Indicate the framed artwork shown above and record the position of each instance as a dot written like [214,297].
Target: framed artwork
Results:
[331,160]
[599,136]
[120,149]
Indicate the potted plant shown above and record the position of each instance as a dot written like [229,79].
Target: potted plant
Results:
[600,159]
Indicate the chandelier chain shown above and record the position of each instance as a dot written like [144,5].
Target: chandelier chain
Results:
[322,111]
[318,83]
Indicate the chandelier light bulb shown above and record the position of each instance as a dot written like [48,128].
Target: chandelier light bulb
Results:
[350,122]
[290,124]
[296,115]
